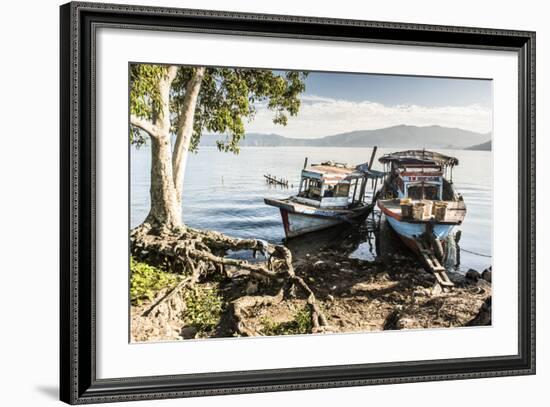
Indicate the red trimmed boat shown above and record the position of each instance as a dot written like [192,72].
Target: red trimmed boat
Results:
[418,198]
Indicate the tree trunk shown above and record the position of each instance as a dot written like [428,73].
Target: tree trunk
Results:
[185,130]
[165,205]
[167,166]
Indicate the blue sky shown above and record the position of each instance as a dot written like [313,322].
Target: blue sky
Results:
[336,103]
[399,90]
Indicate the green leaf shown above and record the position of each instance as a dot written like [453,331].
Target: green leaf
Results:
[228,97]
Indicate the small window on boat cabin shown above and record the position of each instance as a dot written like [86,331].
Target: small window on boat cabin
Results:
[342,190]
[311,188]
[430,192]
[336,190]
[329,191]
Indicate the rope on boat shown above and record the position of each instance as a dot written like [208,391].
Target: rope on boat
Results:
[477,254]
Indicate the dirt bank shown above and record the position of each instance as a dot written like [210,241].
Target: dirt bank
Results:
[355,295]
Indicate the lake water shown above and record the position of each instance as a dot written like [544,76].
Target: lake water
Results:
[225,192]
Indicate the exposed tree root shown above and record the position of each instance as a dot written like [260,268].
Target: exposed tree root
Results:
[241,305]
[161,304]
[197,254]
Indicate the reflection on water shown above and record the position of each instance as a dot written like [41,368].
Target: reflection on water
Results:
[225,192]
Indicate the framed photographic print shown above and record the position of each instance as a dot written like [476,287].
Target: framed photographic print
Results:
[256,203]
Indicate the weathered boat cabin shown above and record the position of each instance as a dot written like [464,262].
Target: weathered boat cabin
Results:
[420,174]
[331,185]
[329,194]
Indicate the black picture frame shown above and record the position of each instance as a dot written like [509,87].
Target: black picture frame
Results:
[78,382]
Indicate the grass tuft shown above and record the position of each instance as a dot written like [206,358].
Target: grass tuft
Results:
[204,307]
[146,281]
[300,324]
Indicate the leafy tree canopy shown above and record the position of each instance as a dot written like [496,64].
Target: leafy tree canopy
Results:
[227,97]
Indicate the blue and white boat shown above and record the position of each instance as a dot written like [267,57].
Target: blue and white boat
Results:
[330,194]
[418,199]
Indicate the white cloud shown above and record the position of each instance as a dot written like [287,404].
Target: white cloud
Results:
[321,116]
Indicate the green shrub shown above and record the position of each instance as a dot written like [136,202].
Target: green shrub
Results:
[300,324]
[204,307]
[146,281]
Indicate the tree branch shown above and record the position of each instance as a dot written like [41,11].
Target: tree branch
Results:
[144,125]
[184,127]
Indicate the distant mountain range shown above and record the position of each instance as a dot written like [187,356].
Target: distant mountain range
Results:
[487,146]
[402,136]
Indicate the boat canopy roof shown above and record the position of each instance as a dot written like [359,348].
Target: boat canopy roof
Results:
[337,171]
[418,157]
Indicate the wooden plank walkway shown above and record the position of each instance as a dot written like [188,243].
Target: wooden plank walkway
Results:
[430,259]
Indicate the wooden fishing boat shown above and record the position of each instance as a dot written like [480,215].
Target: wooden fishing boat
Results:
[419,200]
[329,194]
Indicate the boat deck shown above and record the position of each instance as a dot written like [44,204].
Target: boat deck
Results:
[294,206]
[456,211]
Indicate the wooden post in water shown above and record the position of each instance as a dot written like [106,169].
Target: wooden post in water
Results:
[355,189]
[374,190]
[371,161]
[364,181]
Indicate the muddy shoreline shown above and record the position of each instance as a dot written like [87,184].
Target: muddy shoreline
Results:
[390,292]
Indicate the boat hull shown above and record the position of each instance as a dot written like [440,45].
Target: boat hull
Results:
[299,219]
[297,224]
[408,232]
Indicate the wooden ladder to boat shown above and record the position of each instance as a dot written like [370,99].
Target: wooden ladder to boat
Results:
[432,263]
